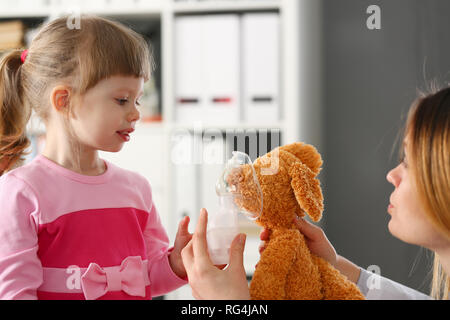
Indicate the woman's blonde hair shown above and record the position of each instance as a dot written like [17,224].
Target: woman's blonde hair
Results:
[428,132]
[81,58]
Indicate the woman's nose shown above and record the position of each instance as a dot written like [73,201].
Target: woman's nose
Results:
[393,176]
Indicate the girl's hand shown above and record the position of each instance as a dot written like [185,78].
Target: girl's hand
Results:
[316,240]
[181,240]
[208,281]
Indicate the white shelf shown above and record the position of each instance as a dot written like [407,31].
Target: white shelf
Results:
[155,126]
[299,77]
[45,8]
[163,125]
[224,6]
[24,8]
[246,126]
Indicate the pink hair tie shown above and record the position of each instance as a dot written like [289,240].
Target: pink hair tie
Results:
[24,55]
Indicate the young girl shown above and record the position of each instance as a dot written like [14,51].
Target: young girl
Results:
[419,209]
[74,226]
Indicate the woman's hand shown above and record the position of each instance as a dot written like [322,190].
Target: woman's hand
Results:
[316,240]
[208,281]
[318,243]
[181,240]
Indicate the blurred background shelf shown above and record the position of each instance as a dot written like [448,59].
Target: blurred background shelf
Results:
[341,87]
[155,148]
[182,7]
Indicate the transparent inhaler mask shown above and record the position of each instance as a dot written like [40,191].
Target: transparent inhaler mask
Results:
[238,191]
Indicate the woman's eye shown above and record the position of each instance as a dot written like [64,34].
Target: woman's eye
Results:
[405,164]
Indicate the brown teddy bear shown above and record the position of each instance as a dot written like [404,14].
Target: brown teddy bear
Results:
[287,270]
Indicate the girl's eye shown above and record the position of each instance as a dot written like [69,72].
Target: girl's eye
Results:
[122,102]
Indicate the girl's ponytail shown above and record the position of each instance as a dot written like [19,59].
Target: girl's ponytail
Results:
[14,112]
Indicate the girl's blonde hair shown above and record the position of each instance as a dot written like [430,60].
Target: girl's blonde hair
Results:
[82,57]
[428,132]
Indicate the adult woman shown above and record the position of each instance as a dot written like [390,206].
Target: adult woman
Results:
[419,209]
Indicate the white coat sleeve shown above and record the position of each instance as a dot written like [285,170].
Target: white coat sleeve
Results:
[377,287]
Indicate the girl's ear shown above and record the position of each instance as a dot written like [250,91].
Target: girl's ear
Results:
[59,98]
[307,190]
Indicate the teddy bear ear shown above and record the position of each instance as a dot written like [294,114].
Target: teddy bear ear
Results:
[307,154]
[307,190]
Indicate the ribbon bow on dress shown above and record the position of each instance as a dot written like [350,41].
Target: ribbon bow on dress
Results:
[129,277]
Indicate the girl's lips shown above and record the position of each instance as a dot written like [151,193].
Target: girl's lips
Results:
[124,136]
[390,207]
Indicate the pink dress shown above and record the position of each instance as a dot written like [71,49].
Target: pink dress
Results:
[64,235]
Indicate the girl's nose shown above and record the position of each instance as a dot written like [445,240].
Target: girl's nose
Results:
[134,116]
[393,176]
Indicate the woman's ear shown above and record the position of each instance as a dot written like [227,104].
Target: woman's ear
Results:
[307,190]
